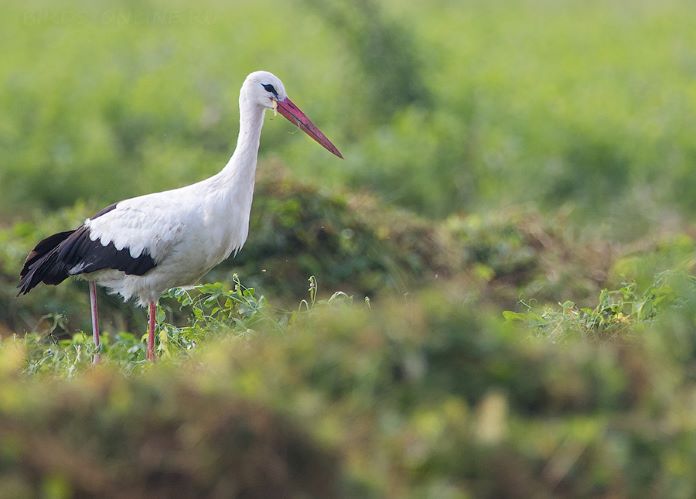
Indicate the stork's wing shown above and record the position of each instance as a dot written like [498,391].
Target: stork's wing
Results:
[144,225]
[131,236]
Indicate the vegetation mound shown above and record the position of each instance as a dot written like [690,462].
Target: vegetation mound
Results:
[155,435]
[431,395]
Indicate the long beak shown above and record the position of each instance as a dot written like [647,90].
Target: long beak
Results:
[295,116]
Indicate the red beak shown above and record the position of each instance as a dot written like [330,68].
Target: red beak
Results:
[295,116]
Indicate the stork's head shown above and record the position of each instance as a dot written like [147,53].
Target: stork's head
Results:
[265,89]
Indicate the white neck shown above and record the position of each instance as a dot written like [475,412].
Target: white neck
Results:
[229,194]
[242,165]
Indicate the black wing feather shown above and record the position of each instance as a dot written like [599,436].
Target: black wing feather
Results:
[44,247]
[52,259]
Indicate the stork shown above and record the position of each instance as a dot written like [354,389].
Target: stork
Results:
[143,246]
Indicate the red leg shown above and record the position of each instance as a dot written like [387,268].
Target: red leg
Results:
[95,319]
[151,332]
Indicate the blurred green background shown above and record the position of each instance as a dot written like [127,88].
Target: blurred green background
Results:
[501,301]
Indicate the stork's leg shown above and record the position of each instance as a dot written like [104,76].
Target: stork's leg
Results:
[151,331]
[95,320]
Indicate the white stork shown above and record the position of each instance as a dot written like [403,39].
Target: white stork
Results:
[143,246]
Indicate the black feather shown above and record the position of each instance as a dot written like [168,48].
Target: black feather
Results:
[51,260]
[44,247]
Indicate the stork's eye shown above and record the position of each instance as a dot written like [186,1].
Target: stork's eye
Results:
[270,88]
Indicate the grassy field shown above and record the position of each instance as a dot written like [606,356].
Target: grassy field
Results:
[491,296]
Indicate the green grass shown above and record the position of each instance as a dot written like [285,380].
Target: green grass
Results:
[436,393]
[576,103]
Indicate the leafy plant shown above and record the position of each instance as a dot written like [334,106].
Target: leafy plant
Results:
[617,311]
